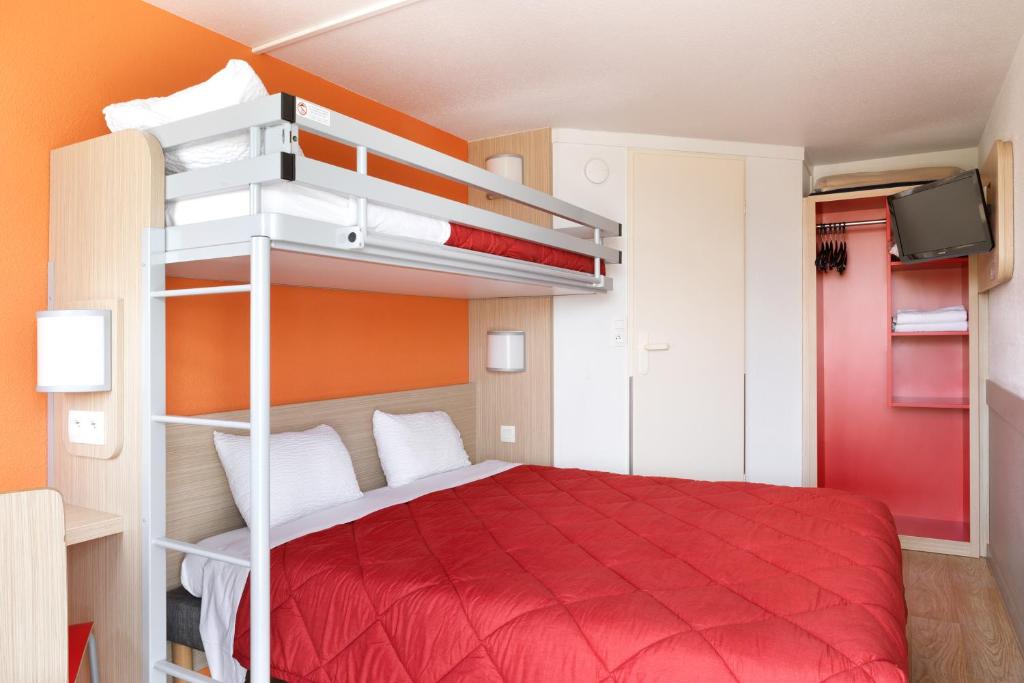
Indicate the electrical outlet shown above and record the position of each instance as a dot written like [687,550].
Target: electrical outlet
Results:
[86,426]
[508,433]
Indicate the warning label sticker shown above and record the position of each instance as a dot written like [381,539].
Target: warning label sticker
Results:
[313,112]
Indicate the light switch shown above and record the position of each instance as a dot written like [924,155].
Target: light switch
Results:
[86,426]
[508,433]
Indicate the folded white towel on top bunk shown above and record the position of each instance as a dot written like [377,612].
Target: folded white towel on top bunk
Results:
[954,326]
[950,314]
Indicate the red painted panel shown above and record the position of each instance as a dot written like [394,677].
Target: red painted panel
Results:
[911,458]
[929,366]
[927,288]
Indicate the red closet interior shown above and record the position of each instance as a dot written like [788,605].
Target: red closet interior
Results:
[893,412]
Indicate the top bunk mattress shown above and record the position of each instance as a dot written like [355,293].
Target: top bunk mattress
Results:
[305,202]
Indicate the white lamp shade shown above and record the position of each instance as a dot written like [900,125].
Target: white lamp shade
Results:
[506,351]
[508,166]
[73,351]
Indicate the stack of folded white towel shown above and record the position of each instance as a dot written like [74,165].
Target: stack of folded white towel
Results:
[949,319]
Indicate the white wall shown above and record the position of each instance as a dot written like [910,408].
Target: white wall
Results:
[591,421]
[1006,302]
[1006,357]
[774,321]
[966,157]
[591,402]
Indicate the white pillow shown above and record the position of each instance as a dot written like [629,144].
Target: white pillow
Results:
[309,471]
[416,445]
[234,84]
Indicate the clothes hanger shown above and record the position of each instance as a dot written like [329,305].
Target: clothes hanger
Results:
[829,249]
[843,253]
[835,253]
[818,232]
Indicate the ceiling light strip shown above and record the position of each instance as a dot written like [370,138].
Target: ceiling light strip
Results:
[355,16]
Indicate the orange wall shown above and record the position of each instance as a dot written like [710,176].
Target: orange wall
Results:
[324,344]
[60,63]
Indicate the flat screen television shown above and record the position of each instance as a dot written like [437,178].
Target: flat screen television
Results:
[942,219]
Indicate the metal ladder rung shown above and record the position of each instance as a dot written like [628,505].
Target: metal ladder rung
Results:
[193,549]
[200,291]
[184,674]
[200,422]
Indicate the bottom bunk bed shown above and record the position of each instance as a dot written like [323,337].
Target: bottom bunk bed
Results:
[504,572]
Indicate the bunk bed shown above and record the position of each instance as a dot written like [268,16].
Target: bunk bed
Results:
[487,246]
[589,574]
[322,226]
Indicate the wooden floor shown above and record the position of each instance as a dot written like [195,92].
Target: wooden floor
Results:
[957,626]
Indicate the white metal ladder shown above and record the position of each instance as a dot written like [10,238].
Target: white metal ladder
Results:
[155,420]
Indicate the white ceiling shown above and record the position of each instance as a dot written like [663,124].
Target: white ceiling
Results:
[848,79]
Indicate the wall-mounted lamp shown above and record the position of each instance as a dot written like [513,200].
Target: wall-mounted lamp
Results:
[508,166]
[506,351]
[73,351]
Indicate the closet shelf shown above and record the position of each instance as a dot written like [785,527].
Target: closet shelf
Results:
[935,402]
[930,334]
[959,262]
[923,527]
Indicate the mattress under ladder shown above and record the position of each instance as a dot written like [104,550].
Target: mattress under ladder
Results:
[154,464]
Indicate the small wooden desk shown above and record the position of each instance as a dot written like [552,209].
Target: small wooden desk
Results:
[83,524]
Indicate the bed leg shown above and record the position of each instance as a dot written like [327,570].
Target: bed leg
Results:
[182,656]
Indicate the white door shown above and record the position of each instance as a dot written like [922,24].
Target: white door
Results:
[686,289]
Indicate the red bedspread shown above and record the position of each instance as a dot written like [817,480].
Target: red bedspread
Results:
[473,239]
[550,575]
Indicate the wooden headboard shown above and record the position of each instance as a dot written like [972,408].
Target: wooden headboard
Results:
[199,503]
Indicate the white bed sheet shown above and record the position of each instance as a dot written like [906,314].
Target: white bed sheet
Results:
[307,202]
[220,585]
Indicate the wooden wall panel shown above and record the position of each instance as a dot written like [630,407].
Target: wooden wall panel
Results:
[996,267]
[199,503]
[522,399]
[33,587]
[103,193]
[535,148]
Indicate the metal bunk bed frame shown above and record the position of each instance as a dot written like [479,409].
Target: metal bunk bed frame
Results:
[273,124]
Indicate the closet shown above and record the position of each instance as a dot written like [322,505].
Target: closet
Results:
[686,290]
[894,412]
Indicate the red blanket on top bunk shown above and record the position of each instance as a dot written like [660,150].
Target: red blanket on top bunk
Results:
[548,575]
[473,239]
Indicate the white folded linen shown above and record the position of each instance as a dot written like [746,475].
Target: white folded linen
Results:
[950,326]
[938,315]
[306,202]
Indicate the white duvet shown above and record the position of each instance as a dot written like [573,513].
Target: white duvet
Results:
[307,202]
[221,585]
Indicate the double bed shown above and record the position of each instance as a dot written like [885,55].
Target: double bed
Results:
[489,571]
[498,572]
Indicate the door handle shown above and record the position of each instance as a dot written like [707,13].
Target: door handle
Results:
[645,348]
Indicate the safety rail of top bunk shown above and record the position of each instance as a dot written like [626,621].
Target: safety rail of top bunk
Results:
[230,237]
[280,117]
